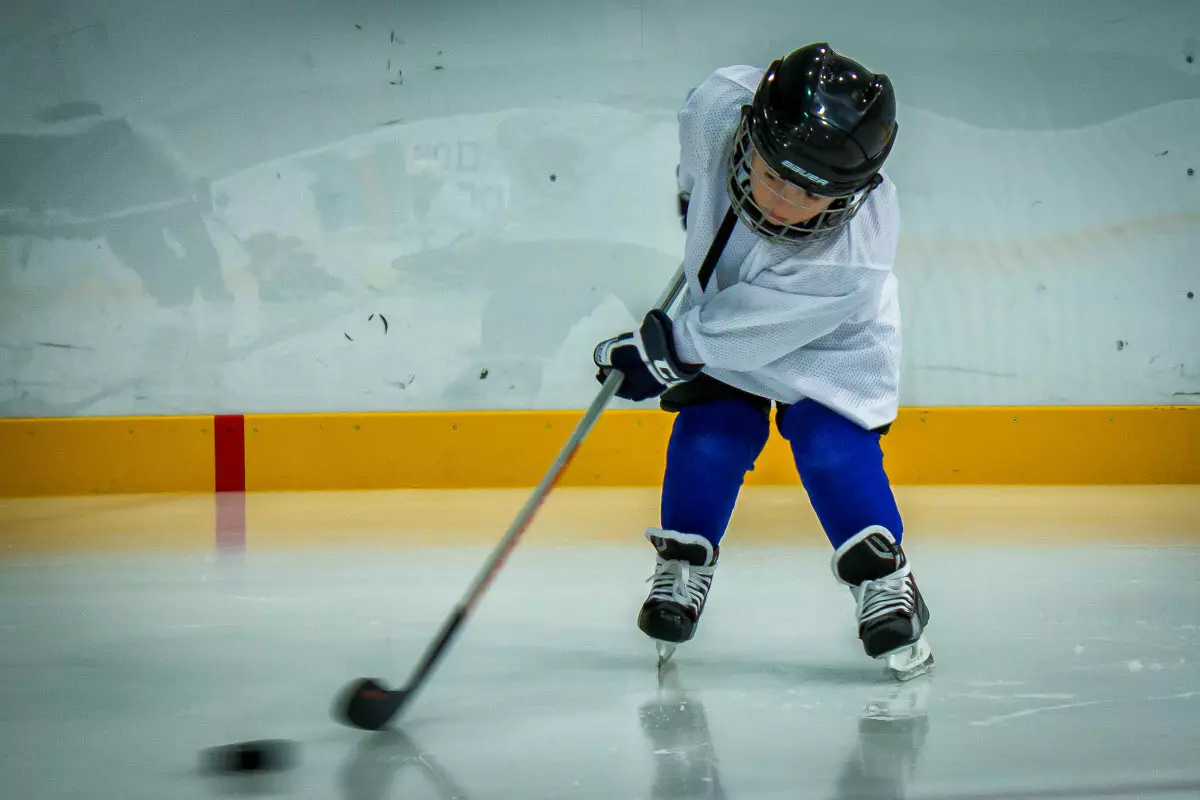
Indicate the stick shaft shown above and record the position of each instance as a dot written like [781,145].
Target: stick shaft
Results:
[500,553]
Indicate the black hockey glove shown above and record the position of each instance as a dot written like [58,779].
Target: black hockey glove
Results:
[646,357]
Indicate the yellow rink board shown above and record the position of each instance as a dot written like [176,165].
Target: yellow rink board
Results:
[506,449]
[106,455]
[938,446]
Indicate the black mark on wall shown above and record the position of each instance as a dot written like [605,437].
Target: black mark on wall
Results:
[64,346]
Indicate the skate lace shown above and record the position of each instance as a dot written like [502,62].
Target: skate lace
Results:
[680,582]
[884,596]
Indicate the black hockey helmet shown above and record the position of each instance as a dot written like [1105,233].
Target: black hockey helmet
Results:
[820,121]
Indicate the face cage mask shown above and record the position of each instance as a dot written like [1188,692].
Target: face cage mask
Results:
[824,224]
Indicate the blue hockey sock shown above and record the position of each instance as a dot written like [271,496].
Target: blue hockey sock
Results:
[713,446]
[841,466]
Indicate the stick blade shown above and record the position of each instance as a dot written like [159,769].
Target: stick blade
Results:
[368,705]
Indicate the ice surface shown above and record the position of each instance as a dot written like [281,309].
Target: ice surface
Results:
[119,667]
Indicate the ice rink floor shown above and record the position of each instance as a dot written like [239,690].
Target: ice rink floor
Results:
[137,631]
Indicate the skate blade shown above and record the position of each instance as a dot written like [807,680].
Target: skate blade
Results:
[910,662]
[665,651]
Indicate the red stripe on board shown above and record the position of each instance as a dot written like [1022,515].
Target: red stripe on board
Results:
[230,452]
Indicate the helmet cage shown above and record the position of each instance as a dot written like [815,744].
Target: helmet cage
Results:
[826,223]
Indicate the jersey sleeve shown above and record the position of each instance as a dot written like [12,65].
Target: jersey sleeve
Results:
[685,178]
[708,117]
[749,325]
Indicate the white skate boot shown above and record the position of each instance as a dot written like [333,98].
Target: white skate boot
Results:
[682,576]
[892,615]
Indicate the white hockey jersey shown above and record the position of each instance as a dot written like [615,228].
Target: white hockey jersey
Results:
[818,320]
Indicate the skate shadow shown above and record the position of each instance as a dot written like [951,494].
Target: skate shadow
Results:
[891,732]
[675,724]
[375,765]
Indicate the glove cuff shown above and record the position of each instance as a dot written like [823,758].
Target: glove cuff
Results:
[659,326]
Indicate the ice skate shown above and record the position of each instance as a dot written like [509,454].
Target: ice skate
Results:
[891,613]
[910,662]
[682,576]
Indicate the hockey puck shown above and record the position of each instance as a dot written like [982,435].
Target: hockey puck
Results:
[268,755]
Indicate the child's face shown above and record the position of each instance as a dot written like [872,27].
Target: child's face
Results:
[784,203]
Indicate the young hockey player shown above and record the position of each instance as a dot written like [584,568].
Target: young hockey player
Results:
[791,234]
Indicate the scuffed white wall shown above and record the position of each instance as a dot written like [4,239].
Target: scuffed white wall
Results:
[214,206]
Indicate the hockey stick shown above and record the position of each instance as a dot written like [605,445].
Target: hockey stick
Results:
[367,703]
